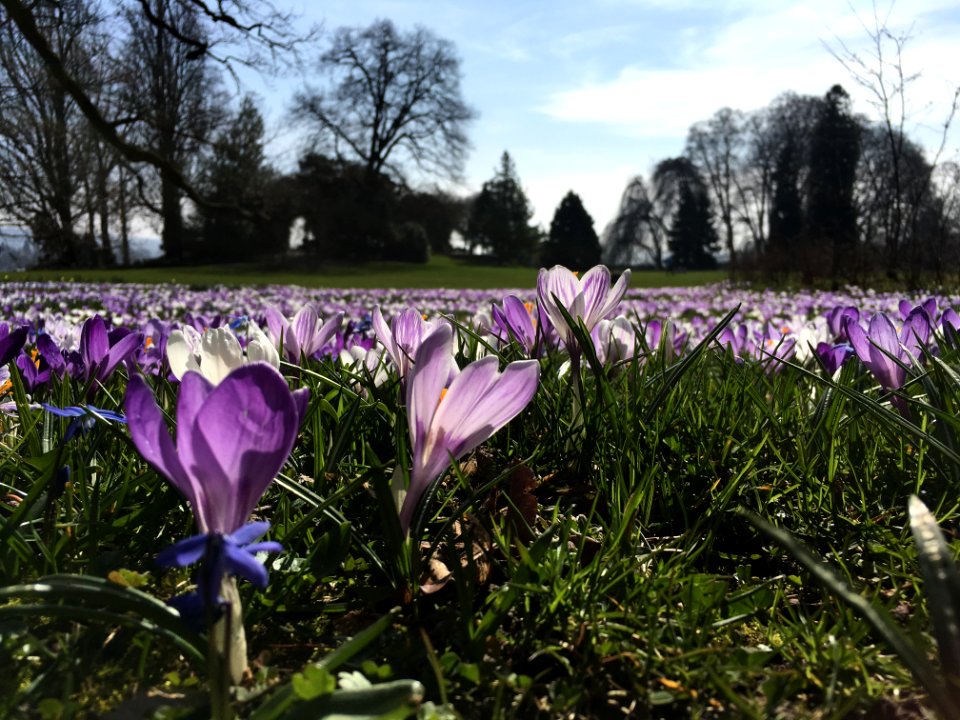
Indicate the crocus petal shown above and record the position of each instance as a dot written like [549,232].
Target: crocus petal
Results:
[594,286]
[241,438]
[220,353]
[50,352]
[152,440]
[613,297]
[11,343]
[304,326]
[183,349]
[260,348]
[301,400]
[94,344]
[435,368]
[482,400]
[118,353]
[325,332]
[858,338]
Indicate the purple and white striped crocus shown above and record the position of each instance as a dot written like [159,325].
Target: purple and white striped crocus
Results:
[403,336]
[590,298]
[513,320]
[232,440]
[305,334]
[450,412]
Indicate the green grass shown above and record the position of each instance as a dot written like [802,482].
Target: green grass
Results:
[440,272]
[611,570]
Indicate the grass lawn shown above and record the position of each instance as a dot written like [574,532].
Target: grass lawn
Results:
[440,272]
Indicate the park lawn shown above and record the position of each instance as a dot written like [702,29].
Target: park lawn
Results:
[439,272]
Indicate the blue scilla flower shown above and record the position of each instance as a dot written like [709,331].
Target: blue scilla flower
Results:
[221,555]
[83,418]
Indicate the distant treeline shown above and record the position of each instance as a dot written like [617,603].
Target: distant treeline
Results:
[117,111]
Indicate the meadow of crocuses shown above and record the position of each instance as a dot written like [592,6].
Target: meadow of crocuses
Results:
[570,500]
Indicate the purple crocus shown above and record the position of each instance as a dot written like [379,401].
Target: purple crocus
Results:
[232,439]
[884,352]
[450,411]
[833,356]
[102,352]
[34,369]
[837,319]
[403,336]
[589,299]
[303,335]
[11,341]
[513,319]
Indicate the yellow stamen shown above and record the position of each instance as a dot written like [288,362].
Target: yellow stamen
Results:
[5,388]
[148,342]
[529,307]
[576,273]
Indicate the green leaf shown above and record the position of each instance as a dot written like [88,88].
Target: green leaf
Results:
[942,585]
[313,682]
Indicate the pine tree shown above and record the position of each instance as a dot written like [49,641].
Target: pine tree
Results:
[572,240]
[693,237]
[831,219]
[499,220]
[235,174]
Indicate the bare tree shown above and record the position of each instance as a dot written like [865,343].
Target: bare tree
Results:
[173,101]
[880,71]
[252,34]
[43,158]
[636,234]
[394,99]
[716,147]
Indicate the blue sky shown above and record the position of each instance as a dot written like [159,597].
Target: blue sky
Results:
[585,95]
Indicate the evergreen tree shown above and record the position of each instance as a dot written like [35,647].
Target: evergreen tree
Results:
[235,174]
[786,210]
[831,219]
[572,240]
[693,237]
[499,220]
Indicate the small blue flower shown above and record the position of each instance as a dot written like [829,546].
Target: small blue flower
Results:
[233,554]
[84,418]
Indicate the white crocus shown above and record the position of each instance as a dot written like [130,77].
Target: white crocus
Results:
[217,352]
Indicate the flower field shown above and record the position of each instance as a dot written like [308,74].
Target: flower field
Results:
[571,500]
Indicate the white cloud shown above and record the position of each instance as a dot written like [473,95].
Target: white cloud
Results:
[745,64]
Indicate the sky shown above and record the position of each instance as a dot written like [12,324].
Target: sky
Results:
[586,95]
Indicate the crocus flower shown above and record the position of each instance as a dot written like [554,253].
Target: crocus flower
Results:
[34,369]
[101,352]
[450,411]
[513,319]
[885,353]
[304,334]
[614,341]
[232,439]
[402,338]
[837,319]
[11,341]
[833,356]
[217,352]
[589,299]
[364,363]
